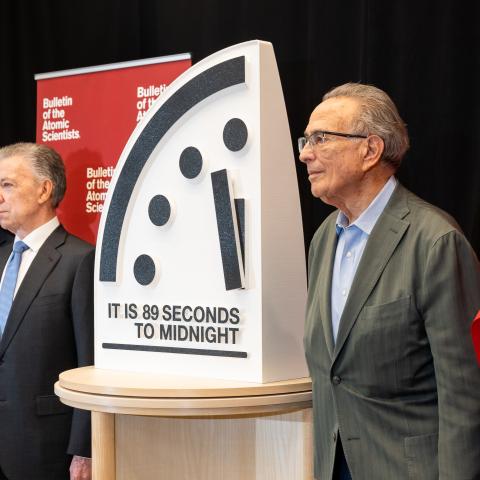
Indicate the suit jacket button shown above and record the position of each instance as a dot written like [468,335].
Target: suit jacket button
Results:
[334,436]
[336,380]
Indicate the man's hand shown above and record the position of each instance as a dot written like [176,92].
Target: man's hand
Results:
[81,468]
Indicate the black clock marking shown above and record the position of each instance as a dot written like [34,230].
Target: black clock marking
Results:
[159,210]
[191,162]
[144,270]
[215,79]
[235,134]
[187,351]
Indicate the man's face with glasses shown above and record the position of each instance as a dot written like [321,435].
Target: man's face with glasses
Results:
[332,152]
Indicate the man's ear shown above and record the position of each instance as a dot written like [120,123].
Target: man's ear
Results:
[46,191]
[373,152]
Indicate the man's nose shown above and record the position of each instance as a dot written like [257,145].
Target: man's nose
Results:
[306,154]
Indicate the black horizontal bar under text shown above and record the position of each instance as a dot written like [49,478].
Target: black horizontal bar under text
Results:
[186,351]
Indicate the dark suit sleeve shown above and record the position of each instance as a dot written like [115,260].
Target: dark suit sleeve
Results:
[452,296]
[82,315]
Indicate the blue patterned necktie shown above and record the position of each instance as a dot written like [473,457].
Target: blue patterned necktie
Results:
[9,282]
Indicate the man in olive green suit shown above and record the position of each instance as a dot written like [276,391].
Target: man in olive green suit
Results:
[393,288]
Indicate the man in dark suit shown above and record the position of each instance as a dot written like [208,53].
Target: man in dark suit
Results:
[49,326]
[393,288]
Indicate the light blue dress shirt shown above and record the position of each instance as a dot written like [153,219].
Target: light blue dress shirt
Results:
[350,246]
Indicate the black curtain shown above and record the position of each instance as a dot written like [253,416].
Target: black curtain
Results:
[425,54]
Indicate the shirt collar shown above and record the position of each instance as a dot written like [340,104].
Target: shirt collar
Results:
[37,237]
[367,220]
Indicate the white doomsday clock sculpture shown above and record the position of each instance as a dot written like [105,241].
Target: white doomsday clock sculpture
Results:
[200,265]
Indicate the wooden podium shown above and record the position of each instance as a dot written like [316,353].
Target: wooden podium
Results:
[154,427]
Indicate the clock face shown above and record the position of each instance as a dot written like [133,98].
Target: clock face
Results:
[179,274]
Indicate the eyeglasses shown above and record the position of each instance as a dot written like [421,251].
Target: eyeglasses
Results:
[319,138]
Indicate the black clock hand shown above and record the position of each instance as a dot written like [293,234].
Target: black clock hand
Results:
[228,230]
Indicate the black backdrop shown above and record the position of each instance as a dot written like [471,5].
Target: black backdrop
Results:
[425,54]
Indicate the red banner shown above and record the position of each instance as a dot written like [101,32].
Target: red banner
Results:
[476,335]
[87,115]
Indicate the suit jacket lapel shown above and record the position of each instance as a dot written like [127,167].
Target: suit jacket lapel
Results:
[383,241]
[43,263]
[325,298]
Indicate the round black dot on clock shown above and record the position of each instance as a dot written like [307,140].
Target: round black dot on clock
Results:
[191,162]
[144,270]
[159,210]
[235,134]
